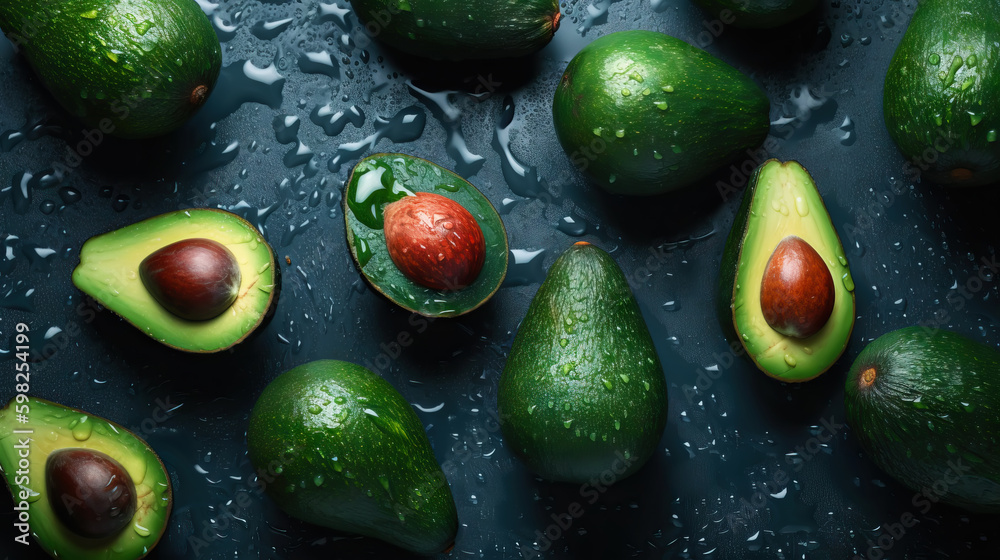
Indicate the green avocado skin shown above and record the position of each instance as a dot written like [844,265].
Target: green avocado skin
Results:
[941,99]
[129,68]
[343,449]
[757,14]
[645,113]
[467,30]
[931,417]
[582,393]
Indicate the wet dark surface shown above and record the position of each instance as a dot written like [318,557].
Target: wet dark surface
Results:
[748,467]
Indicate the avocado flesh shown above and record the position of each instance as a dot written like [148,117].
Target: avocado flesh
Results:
[942,92]
[347,451]
[125,67]
[109,272]
[781,200]
[58,427]
[762,14]
[583,391]
[930,417]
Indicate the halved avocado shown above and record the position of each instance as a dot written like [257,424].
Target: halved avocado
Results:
[109,272]
[384,178]
[781,201]
[52,427]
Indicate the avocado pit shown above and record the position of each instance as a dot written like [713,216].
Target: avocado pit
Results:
[434,241]
[196,279]
[90,492]
[797,291]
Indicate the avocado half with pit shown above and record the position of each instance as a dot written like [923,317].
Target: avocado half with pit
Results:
[785,287]
[91,490]
[198,280]
[423,236]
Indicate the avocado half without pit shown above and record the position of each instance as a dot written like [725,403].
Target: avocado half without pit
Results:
[199,280]
[785,289]
[423,236]
[93,489]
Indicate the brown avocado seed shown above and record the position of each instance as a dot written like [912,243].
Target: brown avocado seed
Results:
[195,279]
[90,492]
[797,291]
[434,241]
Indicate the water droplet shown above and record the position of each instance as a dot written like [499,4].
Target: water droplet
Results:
[318,480]
[607,384]
[567,423]
[668,89]
[620,133]
[934,59]
[140,530]
[83,429]
[790,360]
[531,409]
[314,409]
[624,377]
[618,425]
[848,282]
[626,92]
[975,119]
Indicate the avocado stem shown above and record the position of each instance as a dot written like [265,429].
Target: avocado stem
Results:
[868,377]
[199,95]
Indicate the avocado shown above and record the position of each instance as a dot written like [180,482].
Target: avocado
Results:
[924,405]
[645,113]
[781,222]
[53,464]
[757,14]
[115,270]
[129,68]
[379,183]
[941,100]
[583,392]
[343,449]
[473,29]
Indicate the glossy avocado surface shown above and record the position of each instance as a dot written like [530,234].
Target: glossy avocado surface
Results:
[583,391]
[923,403]
[128,68]
[347,452]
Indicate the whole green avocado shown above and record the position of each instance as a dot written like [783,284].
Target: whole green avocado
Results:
[925,405]
[128,68]
[471,29]
[583,394]
[343,449]
[644,113]
[942,92]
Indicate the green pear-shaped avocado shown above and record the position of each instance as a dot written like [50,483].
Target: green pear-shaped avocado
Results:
[84,487]
[343,449]
[942,92]
[644,113]
[924,405]
[583,392]
[129,68]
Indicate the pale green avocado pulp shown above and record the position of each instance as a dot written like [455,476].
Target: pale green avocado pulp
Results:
[109,272]
[785,202]
[54,427]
